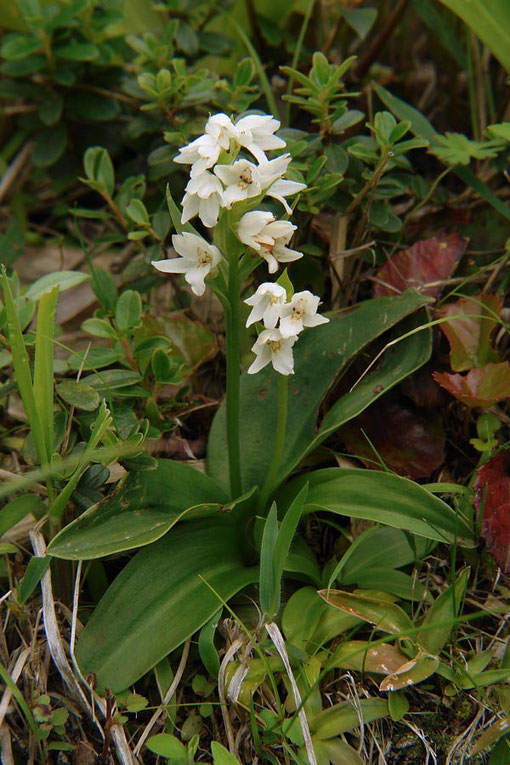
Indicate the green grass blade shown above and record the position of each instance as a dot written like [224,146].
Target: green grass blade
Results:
[22,371]
[264,82]
[43,366]
[267,582]
[284,539]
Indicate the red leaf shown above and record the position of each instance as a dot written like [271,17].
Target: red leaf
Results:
[409,440]
[480,387]
[492,496]
[421,266]
[469,336]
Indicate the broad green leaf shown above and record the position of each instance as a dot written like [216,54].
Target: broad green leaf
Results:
[99,328]
[382,498]
[128,311]
[319,358]
[490,21]
[111,379]
[398,705]
[420,126]
[397,363]
[387,617]
[140,512]
[43,365]
[332,750]
[361,655]
[64,280]
[440,618]
[16,510]
[169,746]
[344,717]
[78,394]
[222,756]
[50,145]
[77,51]
[389,580]
[379,547]
[411,673]
[164,594]
[34,572]
[99,168]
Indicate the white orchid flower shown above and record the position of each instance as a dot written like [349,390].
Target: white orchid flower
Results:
[256,134]
[203,152]
[203,197]
[244,179]
[272,347]
[299,313]
[266,303]
[268,237]
[197,259]
[221,128]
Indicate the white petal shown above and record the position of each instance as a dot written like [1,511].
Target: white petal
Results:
[172,265]
[190,207]
[283,360]
[195,278]
[271,316]
[262,360]
[256,313]
[290,326]
[315,320]
[272,263]
[209,211]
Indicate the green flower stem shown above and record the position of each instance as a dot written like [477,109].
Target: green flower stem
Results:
[233,375]
[281,427]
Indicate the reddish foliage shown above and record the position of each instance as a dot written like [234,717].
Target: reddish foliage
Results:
[409,440]
[480,387]
[492,497]
[469,336]
[425,263]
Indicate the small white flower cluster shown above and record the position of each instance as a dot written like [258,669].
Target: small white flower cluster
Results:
[219,179]
[274,344]
[212,186]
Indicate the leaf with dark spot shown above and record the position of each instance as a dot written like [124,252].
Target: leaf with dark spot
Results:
[409,440]
[492,498]
[424,266]
[479,387]
[469,336]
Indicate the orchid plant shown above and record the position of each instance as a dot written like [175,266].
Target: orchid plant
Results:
[208,535]
[223,188]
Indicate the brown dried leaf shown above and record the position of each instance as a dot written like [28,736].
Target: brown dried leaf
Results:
[469,336]
[479,387]
[492,497]
[424,266]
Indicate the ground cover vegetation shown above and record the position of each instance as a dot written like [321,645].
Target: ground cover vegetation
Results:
[253,381]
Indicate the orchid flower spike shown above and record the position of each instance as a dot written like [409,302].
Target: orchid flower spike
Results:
[299,313]
[272,348]
[268,237]
[197,259]
[266,303]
